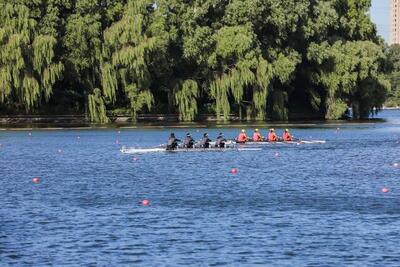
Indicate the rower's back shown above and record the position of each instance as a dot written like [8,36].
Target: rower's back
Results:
[205,142]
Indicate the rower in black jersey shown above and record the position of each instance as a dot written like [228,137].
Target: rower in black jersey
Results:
[172,142]
[189,141]
[205,141]
[220,142]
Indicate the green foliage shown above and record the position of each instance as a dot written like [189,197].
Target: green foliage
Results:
[393,70]
[97,108]
[185,98]
[28,65]
[350,72]
[258,59]
[128,45]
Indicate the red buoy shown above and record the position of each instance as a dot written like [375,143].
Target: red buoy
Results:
[145,202]
[36,180]
[234,171]
[385,190]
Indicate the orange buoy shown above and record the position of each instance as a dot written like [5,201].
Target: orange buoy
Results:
[145,202]
[385,190]
[234,171]
[36,180]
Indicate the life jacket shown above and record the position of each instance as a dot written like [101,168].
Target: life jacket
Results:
[272,137]
[257,137]
[242,137]
[287,136]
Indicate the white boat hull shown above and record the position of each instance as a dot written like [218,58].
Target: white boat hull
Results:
[157,150]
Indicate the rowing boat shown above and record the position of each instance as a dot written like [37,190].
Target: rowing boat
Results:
[230,145]
[131,150]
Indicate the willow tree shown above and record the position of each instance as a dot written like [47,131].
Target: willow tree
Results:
[185,98]
[240,71]
[28,65]
[82,43]
[129,46]
[254,58]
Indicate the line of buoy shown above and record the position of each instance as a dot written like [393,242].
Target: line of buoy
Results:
[36,180]
[234,171]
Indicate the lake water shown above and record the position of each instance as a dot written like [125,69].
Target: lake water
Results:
[290,205]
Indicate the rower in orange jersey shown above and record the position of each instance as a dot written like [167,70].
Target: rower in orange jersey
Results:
[242,138]
[272,137]
[257,136]
[287,136]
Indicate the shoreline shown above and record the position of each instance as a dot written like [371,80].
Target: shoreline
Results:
[72,122]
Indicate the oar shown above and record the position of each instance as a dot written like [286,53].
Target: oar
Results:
[296,139]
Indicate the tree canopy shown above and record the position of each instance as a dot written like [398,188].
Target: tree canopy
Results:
[257,59]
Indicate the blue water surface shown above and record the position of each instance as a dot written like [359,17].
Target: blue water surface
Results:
[288,205]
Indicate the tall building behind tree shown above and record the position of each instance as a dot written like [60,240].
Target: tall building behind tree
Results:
[395,22]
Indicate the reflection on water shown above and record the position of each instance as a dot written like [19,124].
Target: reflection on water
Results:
[310,205]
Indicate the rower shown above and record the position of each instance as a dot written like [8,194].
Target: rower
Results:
[257,136]
[220,142]
[287,136]
[272,137]
[172,142]
[242,138]
[189,141]
[205,141]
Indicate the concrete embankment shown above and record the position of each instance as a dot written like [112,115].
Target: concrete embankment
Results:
[80,121]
